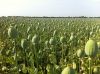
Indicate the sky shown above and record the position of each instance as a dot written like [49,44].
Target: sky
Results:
[50,8]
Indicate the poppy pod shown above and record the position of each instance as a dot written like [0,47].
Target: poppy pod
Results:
[35,39]
[80,53]
[12,32]
[62,39]
[52,41]
[24,43]
[91,48]
[68,70]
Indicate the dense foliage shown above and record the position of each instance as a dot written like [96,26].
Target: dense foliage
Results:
[49,45]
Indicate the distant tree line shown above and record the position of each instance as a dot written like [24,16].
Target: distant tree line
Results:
[51,17]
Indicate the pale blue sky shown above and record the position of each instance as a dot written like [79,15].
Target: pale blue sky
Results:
[49,7]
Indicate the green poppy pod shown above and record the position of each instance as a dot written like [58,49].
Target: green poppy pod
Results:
[55,32]
[91,33]
[37,28]
[28,29]
[52,41]
[71,38]
[48,67]
[98,43]
[65,33]
[24,43]
[12,32]
[52,58]
[46,43]
[74,65]
[80,53]
[68,70]
[91,48]
[62,39]
[29,37]
[35,39]
[4,68]
[43,29]
[95,70]
[16,26]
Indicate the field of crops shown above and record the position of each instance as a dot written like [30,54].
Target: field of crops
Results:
[49,45]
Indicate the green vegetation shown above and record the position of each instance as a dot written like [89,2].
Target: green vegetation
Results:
[49,45]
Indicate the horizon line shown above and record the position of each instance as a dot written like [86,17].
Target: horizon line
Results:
[46,16]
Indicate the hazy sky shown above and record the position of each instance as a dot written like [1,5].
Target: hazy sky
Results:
[49,7]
